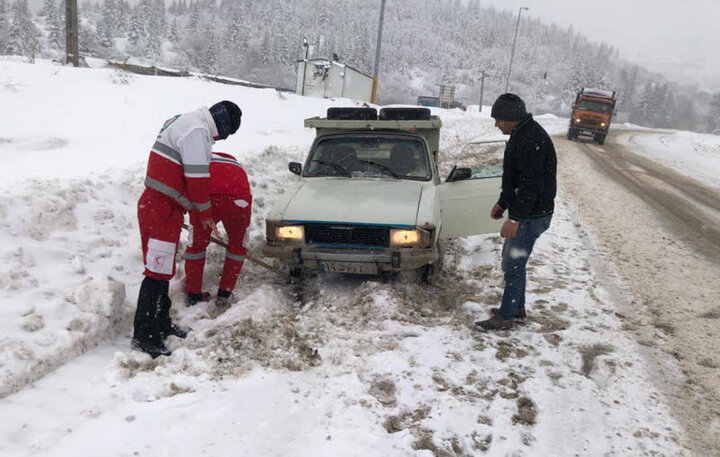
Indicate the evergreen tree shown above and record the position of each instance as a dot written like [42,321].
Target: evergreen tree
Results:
[4,24]
[194,18]
[49,9]
[55,25]
[89,41]
[713,118]
[106,27]
[210,54]
[122,17]
[159,13]
[174,32]
[135,29]
[14,44]
[22,34]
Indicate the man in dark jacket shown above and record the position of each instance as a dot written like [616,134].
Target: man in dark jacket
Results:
[528,193]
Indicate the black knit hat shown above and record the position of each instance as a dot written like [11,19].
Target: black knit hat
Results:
[227,118]
[508,107]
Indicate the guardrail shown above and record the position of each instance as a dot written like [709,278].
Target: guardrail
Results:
[156,71]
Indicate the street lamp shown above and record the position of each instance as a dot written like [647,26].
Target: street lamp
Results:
[377,52]
[306,45]
[482,88]
[512,54]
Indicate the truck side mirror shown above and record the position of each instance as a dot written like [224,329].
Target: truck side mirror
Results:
[295,168]
[459,174]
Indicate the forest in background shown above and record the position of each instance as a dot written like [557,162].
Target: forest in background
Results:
[425,44]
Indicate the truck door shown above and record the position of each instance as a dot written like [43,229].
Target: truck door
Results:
[466,203]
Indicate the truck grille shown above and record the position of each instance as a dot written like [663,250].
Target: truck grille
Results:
[348,235]
[590,122]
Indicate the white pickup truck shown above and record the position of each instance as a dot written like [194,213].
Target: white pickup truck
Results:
[370,201]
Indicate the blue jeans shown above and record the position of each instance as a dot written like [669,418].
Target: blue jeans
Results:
[515,254]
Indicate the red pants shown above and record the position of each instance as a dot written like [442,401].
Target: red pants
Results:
[160,219]
[234,213]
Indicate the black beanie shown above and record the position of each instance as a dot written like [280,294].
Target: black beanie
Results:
[227,118]
[508,107]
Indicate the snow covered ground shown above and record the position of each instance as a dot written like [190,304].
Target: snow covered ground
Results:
[360,367]
[688,153]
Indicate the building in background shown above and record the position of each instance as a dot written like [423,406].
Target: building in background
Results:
[329,78]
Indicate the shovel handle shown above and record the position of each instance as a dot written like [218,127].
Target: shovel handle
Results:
[248,256]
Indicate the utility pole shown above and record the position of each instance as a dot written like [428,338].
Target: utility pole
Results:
[71,33]
[306,45]
[482,88]
[512,53]
[377,52]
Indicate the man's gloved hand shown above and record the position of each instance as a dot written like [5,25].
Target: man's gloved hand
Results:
[497,211]
[210,225]
[509,229]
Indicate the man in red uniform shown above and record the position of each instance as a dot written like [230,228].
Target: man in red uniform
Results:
[177,181]
[231,204]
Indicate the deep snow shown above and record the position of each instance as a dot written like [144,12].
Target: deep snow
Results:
[360,367]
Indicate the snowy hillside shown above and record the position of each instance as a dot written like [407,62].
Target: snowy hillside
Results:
[359,367]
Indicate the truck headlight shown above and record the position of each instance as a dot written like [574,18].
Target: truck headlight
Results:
[404,237]
[290,232]
[577,121]
[602,124]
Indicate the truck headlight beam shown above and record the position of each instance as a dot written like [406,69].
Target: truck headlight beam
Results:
[290,232]
[404,237]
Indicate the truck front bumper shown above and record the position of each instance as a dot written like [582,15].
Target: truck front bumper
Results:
[356,261]
[588,131]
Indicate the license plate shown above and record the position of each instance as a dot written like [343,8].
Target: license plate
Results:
[349,267]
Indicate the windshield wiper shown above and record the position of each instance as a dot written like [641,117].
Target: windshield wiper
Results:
[381,167]
[344,171]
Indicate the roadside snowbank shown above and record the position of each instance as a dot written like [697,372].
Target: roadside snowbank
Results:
[692,154]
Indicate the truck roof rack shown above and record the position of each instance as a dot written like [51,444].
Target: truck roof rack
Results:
[591,92]
[344,113]
[405,114]
[385,124]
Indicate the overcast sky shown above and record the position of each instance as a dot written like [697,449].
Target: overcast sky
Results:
[679,38]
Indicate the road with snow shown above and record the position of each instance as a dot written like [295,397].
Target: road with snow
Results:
[658,229]
[689,206]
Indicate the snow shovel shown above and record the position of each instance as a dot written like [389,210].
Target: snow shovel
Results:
[248,256]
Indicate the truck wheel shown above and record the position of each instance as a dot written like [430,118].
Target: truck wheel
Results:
[570,135]
[296,275]
[600,139]
[428,272]
[388,276]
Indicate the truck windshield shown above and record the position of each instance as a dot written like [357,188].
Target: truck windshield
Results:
[387,157]
[594,106]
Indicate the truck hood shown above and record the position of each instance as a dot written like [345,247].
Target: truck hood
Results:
[355,200]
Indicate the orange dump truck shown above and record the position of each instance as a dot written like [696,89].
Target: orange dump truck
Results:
[591,114]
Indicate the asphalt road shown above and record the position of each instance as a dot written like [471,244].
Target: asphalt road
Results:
[655,235]
[689,207]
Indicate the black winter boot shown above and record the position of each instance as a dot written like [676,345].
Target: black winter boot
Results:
[146,334]
[167,328]
[223,298]
[520,313]
[194,299]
